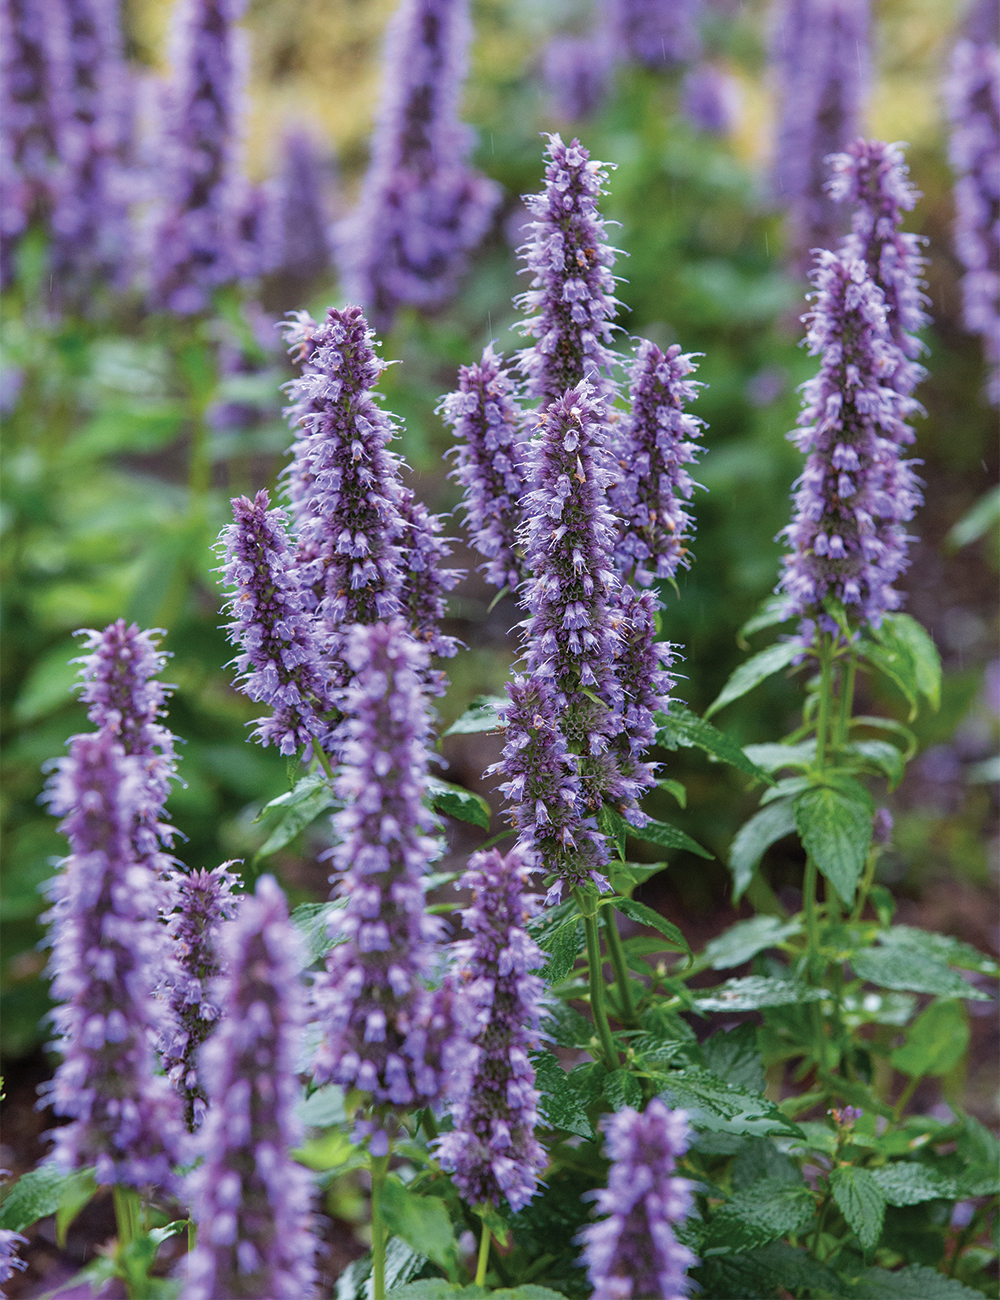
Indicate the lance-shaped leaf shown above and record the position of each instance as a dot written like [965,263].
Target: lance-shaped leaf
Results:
[754,838]
[456,801]
[861,1201]
[755,670]
[682,728]
[835,823]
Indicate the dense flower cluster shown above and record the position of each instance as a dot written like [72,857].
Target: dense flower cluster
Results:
[633,1253]
[657,33]
[492,1150]
[576,71]
[305,251]
[251,1200]
[427,581]
[643,668]
[422,208]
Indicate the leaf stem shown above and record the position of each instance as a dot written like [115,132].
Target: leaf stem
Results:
[594,969]
[620,967]
[846,699]
[484,1256]
[379,1168]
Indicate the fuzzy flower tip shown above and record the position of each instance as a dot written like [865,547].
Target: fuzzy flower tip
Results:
[200,902]
[874,178]
[570,305]
[107,949]
[492,1151]
[856,493]
[250,1199]
[280,662]
[371,1001]
[423,208]
[653,445]
[489,462]
[633,1252]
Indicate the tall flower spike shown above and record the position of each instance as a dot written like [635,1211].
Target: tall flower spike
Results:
[302,207]
[633,1253]
[371,1000]
[577,72]
[426,581]
[652,445]
[422,208]
[856,493]
[973,97]
[820,57]
[873,176]
[492,1151]
[658,33]
[195,237]
[489,462]
[643,666]
[200,903]
[711,99]
[570,306]
[250,1199]
[107,949]
[280,663]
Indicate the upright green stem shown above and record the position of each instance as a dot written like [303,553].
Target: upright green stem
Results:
[588,910]
[825,701]
[866,884]
[484,1256]
[620,967]
[846,700]
[127,1213]
[380,1166]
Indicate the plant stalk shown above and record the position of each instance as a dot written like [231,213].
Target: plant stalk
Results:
[594,964]
[379,1168]
[484,1256]
[620,967]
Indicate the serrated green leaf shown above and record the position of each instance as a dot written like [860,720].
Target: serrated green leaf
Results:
[422,1222]
[682,728]
[774,757]
[753,1274]
[669,837]
[836,830]
[313,920]
[567,1027]
[722,1107]
[676,788]
[563,947]
[622,1088]
[915,972]
[734,1056]
[940,947]
[916,1282]
[481,715]
[759,1158]
[437,1288]
[456,801]
[771,1208]
[980,1152]
[304,788]
[937,1040]
[302,808]
[900,629]
[34,1196]
[560,1100]
[401,1264]
[772,613]
[890,725]
[755,670]
[904,1182]
[754,838]
[746,939]
[611,823]
[756,991]
[880,754]
[861,1201]
[646,916]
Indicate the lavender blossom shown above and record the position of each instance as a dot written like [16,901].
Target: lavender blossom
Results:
[9,1242]
[493,1151]
[200,903]
[820,57]
[251,1200]
[658,33]
[634,1252]
[711,99]
[570,306]
[643,667]
[576,71]
[305,242]
[257,249]
[489,462]
[873,176]
[107,949]
[973,97]
[652,446]
[422,208]
[856,494]
[426,581]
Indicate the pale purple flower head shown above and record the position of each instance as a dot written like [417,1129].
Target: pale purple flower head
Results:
[711,99]
[643,667]
[108,948]
[570,305]
[257,250]
[302,206]
[250,1199]
[423,209]
[427,582]
[633,1253]
[658,33]
[492,1152]
[576,71]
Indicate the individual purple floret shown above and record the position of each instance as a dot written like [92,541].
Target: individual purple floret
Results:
[820,57]
[195,238]
[108,948]
[302,208]
[873,177]
[570,306]
[371,1000]
[653,445]
[658,33]
[200,902]
[634,1252]
[251,1201]
[280,663]
[576,71]
[973,97]
[493,1152]
[856,494]
[489,462]
[711,99]
[422,208]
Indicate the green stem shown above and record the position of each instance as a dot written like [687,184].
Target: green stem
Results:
[379,1166]
[620,967]
[820,1221]
[867,881]
[126,1202]
[484,1256]
[846,700]
[429,1123]
[904,1099]
[809,903]
[594,968]
[323,761]
[825,701]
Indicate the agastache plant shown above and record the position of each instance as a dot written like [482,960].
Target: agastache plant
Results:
[251,1200]
[305,251]
[657,33]
[577,72]
[423,209]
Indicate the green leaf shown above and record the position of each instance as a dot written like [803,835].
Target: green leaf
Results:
[774,757]
[303,789]
[422,1222]
[916,1281]
[456,801]
[755,670]
[681,728]
[881,755]
[481,715]
[49,684]
[313,920]
[759,1158]
[772,613]
[753,992]
[979,1150]
[769,1209]
[669,837]
[938,1040]
[676,788]
[622,1088]
[940,947]
[895,728]
[561,1102]
[745,940]
[296,810]
[753,1274]
[734,1056]
[611,823]
[897,967]
[566,1027]
[902,630]
[77,1192]
[861,1201]
[754,838]
[436,1288]
[401,1264]
[906,1183]
[34,1196]
[646,916]
[723,1107]
[563,946]
[836,830]
[323,1108]
[976,522]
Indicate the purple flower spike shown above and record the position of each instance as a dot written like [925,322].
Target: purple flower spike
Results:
[634,1252]
[576,71]
[570,306]
[652,446]
[658,33]
[493,1151]
[422,208]
[200,903]
[643,667]
[302,206]
[711,99]
[107,949]
[280,663]
[489,462]
[873,176]
[371,1000]
[427,582]
[856,494]
[251,1200]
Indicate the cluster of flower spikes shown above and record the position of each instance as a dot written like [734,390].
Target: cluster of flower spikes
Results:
[422,208]
[657,33]
[855,494]
[972,92]
[250,1199]
[873,176]
[281,662]
[198,905]
[820,58]
[492,1151]
[634,1252]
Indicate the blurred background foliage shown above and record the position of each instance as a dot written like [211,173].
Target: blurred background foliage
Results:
[98,423]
